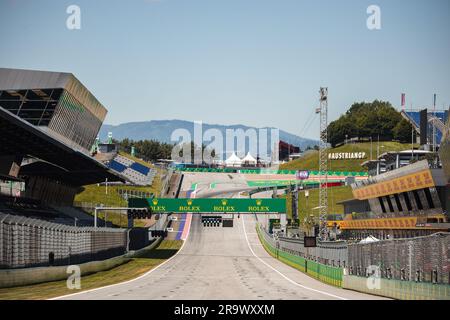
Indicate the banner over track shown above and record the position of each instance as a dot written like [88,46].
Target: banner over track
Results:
[168,205]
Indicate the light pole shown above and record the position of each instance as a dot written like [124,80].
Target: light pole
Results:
[371,147]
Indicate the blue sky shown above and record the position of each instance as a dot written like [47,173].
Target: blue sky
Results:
[253,62]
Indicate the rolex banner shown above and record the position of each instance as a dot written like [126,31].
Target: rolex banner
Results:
[161,205]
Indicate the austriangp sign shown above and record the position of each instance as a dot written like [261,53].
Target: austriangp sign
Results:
[347,156]
[163,205]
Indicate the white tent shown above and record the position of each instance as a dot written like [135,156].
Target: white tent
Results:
[233,161]
[369,239]
[249,160]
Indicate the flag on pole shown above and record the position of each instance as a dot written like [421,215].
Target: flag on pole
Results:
[403,101]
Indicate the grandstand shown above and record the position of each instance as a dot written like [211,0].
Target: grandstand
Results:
[48,122]
[136,173]
[133,171]
[445,151]
[406,202]
[29,242]
[434,119]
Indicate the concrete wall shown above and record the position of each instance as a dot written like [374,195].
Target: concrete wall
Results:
[28,276]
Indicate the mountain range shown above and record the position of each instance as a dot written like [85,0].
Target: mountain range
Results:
[161,130]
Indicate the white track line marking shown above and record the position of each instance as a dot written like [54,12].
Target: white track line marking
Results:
[129,281]
[288,279]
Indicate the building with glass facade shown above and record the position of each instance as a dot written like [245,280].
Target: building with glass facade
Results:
[56,102]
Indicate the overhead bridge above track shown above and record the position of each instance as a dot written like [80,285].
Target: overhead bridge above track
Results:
[209,205]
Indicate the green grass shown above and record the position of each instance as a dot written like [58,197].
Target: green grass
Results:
[130,270]
[311,161]
[306,206]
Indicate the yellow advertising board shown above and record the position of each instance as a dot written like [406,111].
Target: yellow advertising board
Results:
[378,224]
[404,223]
[418,180]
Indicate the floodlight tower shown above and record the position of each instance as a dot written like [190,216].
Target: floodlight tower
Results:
[323,163]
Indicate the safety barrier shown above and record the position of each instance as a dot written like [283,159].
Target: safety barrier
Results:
[326,274]
[422,259]
[396,289]
[26,242]
[339,277]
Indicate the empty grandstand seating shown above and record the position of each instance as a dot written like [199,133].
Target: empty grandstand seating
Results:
[30,208]
[123,160]
[117,166]
[140,168]
[26,207]
[135,172]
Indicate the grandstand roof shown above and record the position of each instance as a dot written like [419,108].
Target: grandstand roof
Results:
[9,178]
[18,79]
[19,137]
[403,152]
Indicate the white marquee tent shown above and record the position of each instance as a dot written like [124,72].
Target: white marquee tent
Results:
[233,161]
[369,239]
[249,160]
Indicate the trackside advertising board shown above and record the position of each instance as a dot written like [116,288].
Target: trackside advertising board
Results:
[210,205]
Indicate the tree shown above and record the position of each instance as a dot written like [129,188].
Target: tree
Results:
[402,131]
[149,150]
[365,120]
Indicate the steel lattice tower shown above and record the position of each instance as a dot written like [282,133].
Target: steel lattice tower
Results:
[323,163]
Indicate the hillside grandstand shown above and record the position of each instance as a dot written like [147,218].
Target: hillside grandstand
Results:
[435,122]
[135,172]
[445,151]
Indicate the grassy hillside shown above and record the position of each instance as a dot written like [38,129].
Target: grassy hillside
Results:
[306,205]
[97,194]
[311,161]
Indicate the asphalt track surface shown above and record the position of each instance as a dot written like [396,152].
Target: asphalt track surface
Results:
[218,263]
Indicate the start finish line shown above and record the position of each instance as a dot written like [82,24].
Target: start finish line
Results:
[168,205]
